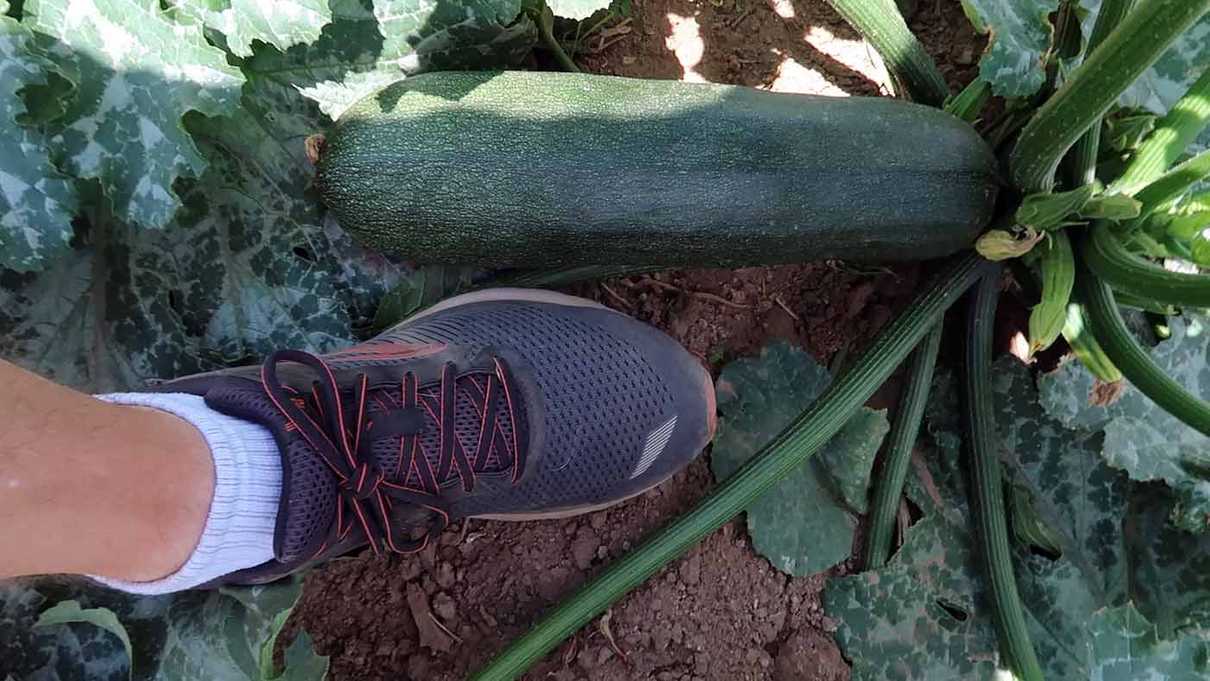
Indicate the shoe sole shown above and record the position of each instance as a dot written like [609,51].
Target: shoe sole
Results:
[532,295]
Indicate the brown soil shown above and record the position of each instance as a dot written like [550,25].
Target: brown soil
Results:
[721,612]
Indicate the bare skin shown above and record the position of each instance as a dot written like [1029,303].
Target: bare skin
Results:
[88,487]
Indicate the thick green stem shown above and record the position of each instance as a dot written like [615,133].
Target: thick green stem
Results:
[1128,355]
[1085,346]
[968,103]
[1183,123]
[1109,259]
[880,22]
[981,437]
[900,442]
[788,451]
[1084,155]
[1095,85]
[1173,183]
[546,24]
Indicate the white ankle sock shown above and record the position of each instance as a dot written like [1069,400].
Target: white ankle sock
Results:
[247,489]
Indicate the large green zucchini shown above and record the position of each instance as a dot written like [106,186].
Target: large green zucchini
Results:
[541,169]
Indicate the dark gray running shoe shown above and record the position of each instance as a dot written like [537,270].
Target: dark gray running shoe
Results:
[511,404]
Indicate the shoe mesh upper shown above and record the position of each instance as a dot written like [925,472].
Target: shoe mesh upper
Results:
[600,395]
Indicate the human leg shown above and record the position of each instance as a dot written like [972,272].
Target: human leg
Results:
[96,488]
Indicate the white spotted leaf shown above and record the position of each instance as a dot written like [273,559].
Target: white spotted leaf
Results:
[36,203]
[136,74]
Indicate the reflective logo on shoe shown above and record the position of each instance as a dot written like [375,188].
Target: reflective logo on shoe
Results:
[657,440]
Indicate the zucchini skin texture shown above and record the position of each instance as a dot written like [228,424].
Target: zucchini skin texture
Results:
[542,169]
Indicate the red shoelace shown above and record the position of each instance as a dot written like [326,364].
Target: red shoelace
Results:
[343,437]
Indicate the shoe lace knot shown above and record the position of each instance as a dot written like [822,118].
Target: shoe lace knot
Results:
[337,425]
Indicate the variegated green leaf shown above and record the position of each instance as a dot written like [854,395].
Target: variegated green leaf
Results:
[1083,501]
[367,46]
[67,652]
[1124,646]
[250,264]
[36,203]
[1140,437]
[281,23]
[69,612]
[187,636]
[925,616]
[890,629]
[424,287]
[136,74]
[805,524]
[1171,567]
[1020,35]
[103,316]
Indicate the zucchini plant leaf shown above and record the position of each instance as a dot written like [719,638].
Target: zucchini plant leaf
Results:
[302,663]
[1021,34]
[281,23]
[250,264]
[36,203]
[68,612]
[423,287]
[576,9]
[805,523]
[921,617]
[1126,646]
[188,636]
[1076,603]
[368,45]
[136,73]
[1172,567]
[1141,438]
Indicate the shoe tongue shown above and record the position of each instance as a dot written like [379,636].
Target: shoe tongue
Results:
[468,421]
[309,493]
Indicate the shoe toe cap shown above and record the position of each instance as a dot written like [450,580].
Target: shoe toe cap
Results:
[680,426]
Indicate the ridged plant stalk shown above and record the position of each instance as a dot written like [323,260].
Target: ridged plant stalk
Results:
[880,22]
[1172,184]
[1128,355]
[1174,133]
[990,514]
[1085,346]
[970,101]
[810,431]
[1084,155]
[1095,85]
[900,441]
[1112,262]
